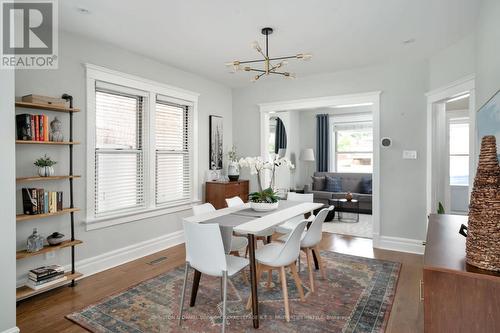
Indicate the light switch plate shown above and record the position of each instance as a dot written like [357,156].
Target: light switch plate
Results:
[409,154]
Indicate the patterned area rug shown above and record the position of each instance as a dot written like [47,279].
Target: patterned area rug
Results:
[363,228]
[356,297]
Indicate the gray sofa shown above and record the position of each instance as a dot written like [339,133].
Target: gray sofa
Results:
[351,182]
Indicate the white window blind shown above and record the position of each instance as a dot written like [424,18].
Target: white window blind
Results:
[119,155]
[173,153]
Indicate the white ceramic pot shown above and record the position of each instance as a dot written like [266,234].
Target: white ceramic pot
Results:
[264,206]
[233,171]
[46,171]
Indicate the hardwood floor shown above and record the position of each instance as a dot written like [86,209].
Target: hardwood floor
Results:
[45,313]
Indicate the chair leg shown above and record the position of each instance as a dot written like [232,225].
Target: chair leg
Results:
[257,280]
[285,293]
[246,252]
[297,280]
[310,268]
[181,309]
[320,262]
[224,298]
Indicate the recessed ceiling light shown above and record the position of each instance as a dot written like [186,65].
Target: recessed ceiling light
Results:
[409,41]
[82,10]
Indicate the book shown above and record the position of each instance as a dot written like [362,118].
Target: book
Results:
[46,202]
[45,270]
[37,128]
[59,201]
[34,286]
[32,127]
[23,126]
[45,128]
[45,279]
[41,201]
[29,203]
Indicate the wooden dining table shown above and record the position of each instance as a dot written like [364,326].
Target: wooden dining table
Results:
[243,220]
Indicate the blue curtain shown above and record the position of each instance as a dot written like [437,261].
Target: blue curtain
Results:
[280,136]
[322,142]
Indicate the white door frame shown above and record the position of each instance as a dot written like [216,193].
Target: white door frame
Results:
[435,102]
[328,101]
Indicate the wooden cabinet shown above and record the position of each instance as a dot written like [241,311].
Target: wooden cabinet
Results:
[217,192]
[457,297]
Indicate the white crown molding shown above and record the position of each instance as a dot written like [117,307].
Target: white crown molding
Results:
[398,244]
[123,255]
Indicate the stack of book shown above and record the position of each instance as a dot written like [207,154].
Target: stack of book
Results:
[45,276]
[38,201]
[32,127]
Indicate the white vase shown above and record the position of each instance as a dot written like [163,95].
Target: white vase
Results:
[46,171]
[264,206]
[233,171]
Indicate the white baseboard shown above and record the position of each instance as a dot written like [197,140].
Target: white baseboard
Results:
[123,255]
[11,330]
[398,244]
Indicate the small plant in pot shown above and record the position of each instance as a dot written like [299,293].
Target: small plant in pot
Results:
[45,166]
[264,199]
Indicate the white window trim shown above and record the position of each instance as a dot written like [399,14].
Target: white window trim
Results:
[97,73]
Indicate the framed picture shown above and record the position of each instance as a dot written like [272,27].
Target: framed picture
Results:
[488,119]
[216,142]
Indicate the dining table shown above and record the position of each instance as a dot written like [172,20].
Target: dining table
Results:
[243,220]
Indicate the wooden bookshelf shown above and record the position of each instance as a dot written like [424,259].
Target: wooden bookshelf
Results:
[25,291]
[29,142]
[72,242]
[24,217]
[38,178]
[48,248]
[46,107]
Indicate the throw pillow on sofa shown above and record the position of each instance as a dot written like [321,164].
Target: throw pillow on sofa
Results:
[319,183]
[366,185]
[333,184]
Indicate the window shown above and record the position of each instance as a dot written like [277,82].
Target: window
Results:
[354,147]
[141,148]
[459,152]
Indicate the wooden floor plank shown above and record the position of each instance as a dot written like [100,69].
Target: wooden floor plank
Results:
[45,313]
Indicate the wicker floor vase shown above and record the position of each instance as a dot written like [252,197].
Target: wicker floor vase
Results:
[483,234]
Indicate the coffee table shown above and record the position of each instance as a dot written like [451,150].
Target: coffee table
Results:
[341,204]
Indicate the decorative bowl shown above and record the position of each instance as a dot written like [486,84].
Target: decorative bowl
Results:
[55,238]
[264,206]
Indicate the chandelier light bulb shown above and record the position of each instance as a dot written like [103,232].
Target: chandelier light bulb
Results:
[304,56]
[290,75]
[256,46]
[255,78]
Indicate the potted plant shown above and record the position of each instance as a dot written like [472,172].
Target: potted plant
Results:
[233,169]
[264,199]
[45,166]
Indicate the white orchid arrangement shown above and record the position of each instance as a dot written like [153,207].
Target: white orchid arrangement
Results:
[257,167]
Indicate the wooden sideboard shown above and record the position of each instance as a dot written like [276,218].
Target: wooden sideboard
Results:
[217,192]
[457,297]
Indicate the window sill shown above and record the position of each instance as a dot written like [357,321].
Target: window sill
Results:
[99,223]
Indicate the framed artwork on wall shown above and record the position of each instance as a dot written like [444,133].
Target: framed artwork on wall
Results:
[488,119]
[216,142]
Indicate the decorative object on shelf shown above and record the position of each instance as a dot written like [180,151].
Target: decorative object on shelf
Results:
[55,238]
[348,196]
[45,166]
[483,231]
[213,175]
[56,134]
[34,242]
[264,199]
[271,65]
[216,141]
[233,168]
[39,99]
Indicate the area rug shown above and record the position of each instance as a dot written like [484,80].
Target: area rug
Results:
[356,296]
[363,228]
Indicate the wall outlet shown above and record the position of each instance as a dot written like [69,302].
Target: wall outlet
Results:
[409,154]
[50,255]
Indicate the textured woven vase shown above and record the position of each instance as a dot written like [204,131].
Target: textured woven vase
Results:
[483,234]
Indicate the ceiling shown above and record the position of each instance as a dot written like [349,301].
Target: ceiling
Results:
[199,36]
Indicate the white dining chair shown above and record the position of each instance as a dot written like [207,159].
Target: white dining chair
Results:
[278,256]
[205,253]
[237,243]
[264,235]
[286,227]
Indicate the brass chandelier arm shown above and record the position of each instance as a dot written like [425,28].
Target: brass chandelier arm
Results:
[283,58]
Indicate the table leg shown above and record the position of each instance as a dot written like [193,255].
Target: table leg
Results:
[253,280]
[196,283]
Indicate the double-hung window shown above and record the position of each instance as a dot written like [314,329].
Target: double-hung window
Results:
[140,150]
[354,147]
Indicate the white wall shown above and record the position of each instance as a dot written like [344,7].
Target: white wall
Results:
[453,63]
[488,52]
[403,118]
[7,206]
[70,78]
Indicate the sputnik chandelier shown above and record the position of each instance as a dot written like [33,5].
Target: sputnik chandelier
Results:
[271,65]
